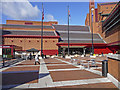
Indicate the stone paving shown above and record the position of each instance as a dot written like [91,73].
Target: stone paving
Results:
[54,73]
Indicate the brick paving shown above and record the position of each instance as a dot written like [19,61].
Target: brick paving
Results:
[19,78]
[22,69]
[21,75]
[61,67]
[97,85]
[98,69]
[55,73]
[72,75]
[27,62]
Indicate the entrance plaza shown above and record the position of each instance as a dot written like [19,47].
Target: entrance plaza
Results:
[56,72]
[75,56]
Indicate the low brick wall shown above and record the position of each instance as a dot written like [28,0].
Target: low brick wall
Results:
[114,67]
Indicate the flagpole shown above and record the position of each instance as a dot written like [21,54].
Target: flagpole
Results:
[42,34]
[68,30]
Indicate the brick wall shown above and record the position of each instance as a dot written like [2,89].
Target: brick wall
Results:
[28,43]
[30,22]
[104,9]
[114,68]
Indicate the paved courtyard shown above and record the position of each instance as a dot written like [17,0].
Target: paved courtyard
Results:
[55,73]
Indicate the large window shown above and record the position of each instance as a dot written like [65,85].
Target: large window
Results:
[6,51]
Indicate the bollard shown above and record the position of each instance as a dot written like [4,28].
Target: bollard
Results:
[104,68]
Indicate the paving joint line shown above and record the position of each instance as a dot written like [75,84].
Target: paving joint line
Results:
[91,70]
[11,66]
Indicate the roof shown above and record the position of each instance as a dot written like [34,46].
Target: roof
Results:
[21,32]
[108,3]
[77,34]
[82,41]
[80,38]
[71,28]
[25,26]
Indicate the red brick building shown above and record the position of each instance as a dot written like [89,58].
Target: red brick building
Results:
[106,23]
[25,35]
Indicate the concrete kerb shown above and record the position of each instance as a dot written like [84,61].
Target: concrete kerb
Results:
[44,76]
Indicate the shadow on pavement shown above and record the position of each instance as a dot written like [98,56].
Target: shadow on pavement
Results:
[11,80]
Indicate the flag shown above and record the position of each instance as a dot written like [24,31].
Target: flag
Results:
[69,13]
[42,12]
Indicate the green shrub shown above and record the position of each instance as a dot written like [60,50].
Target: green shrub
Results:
[9,56]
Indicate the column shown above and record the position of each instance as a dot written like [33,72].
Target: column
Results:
[84,51]
[63,52]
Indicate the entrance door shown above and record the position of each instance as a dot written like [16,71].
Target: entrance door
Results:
[74,51]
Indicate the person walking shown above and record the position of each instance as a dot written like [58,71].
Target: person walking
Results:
[30,56]
[36,59]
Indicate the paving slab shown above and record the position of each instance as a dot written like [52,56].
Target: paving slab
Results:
[21,69]
[56,64]
[44,76]
[99,69]
[27,62]
[96,85]
[19,78]
[61,67]
[72,75]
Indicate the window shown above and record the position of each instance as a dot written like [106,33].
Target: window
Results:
[6,51]
[92,3]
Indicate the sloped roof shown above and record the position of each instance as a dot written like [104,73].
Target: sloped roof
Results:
[21,32]
[82,41]
[25,26]
[71,28]
[108,3]
[80,38]
[77,34]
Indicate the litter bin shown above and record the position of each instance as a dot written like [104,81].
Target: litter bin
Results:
[104,68]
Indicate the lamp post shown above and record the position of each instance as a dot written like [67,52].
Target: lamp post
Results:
[92,30]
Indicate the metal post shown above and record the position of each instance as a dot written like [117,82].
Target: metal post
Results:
[42,34]
[92,31]
[68,31]
[3,58]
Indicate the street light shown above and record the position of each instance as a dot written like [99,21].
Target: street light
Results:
[92,30]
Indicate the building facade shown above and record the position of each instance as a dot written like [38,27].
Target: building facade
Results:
[106,23]
[99,14]
[25,35]
[80,40]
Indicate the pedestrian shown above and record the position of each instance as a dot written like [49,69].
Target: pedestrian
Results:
[102,54]
[30,56]
[36,59]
